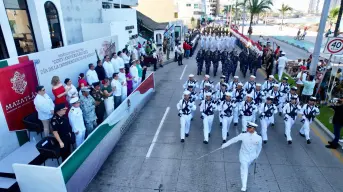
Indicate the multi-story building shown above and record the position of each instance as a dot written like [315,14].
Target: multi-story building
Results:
[210,7]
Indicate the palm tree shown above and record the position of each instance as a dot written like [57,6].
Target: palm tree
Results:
[258,6]
[339,17]
[192,21]
[283,10]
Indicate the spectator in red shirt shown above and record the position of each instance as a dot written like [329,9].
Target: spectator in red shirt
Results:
[187,49]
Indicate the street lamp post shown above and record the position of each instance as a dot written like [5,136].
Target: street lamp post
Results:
[319,39]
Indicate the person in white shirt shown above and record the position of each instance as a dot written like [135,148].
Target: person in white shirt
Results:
[77,124]
[301,78]
[117,90]
[134,74]
[45,108]
[108,66]
[72,93]
[135,53]
[92,76]
[120,59]
[125,57]
[122,79]
[282,61]
[115,63]
[250,150]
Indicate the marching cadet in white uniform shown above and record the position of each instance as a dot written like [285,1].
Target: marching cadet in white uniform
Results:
[207,88]
[185,108]
[250,150]
[284,89]
[290,110]
[238,96]
[207,108]
[220,95]
[222,80]
[233,85]
[267,111]
[226,108]
[206,80]
[309,112]
[258,96]
[193,96]
[191,81]
[247,110]
[77,124]
[292,93]
[277,95]
[250,85]
[268,85]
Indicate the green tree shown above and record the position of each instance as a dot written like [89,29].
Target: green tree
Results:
[339,17]
[284,8]
[258,6]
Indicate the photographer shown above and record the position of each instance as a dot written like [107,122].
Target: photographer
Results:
[337,122]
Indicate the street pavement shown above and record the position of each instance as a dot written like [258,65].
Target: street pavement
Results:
[280,167]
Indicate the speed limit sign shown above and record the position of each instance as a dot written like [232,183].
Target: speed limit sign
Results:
[334,46]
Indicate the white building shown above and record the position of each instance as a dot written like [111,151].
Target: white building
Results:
[188,9]
[210,7]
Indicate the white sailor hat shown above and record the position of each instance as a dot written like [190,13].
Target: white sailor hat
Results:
[270,98]
[186,92]
[258,85]
[294,97]
[276,85]
[240,84]
[253,76]
[250,95]
[207,84]
[294,88]
[224,84]
[74,100]
[228,94]
[207,76]
[285,78]
[190,75]
[313,99]
[236,77]
[283,53]
[251,125]
[223,77]
[271,76]
[208,94]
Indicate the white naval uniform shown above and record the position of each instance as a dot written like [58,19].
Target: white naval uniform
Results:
[192,97]
[290,111]
[203,92]
[134,74]
[218,86]
[287,97]
[267,86]
[250,149]
[249,87]
[77,124]
[258,97]
[267,117]
[237,96]
[189,82]
[220,95]
[185,108]
[202,84]
[232,85]
[247,110]
[226,109]
[207,109]
[277,97]
[282,61]
[92,77]
[284,89]
[306,111]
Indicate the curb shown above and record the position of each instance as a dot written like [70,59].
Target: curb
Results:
[326,130]
[297,46]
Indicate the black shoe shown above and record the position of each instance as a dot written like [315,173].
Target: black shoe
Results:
[205,142]
[285,135]
[308,141]
[243,131]
[280,113]
[331,146]
[221,124]
[289,142]
[161,66]
[303,135]
[227,134]
[273,124]
[265,141]
[235,124]
[192,119]
[224,141]
[187,134]
[209,135]
[330,142]
[182,140]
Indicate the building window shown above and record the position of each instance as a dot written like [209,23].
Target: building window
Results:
[21,27]
[3,48]
[196,6]
[54,25]
[188,5]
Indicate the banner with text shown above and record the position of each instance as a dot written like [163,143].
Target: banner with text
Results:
[18,84]
[70,61]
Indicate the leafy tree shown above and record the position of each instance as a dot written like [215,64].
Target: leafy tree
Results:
[258,6]
[283,10]
[339,17]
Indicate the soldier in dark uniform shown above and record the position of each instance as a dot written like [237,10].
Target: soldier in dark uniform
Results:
[215,59]
[98,96]
[234,59]
[208,59]
[200,60]
[62,130]
[243,63]
[223,59]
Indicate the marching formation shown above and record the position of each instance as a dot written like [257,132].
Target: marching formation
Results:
[248,102]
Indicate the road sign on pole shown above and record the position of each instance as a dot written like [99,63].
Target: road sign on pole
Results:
[334,46]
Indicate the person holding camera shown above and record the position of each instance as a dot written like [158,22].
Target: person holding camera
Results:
[337,122]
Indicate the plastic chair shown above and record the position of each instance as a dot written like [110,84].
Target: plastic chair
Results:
[33,124]
[49,148]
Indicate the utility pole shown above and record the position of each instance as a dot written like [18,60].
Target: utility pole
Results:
[319,39]
[243,17]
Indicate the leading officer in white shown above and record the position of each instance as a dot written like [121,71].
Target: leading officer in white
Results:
[76,121]
[250,150]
